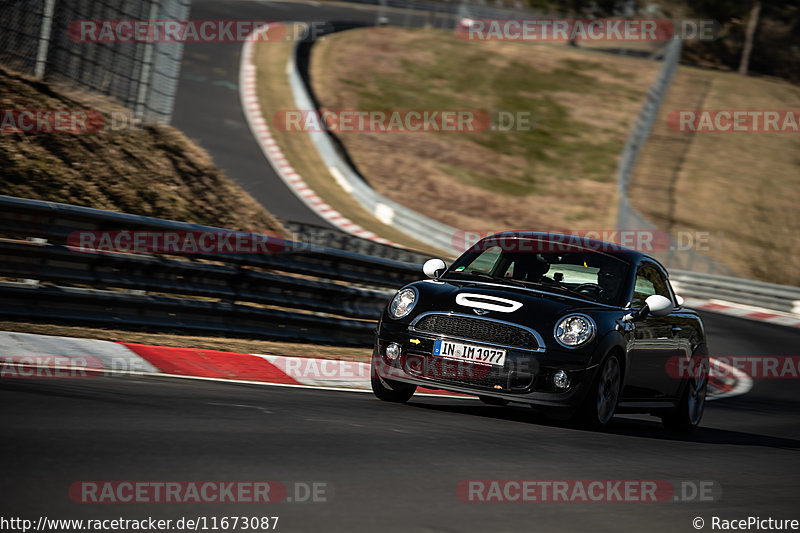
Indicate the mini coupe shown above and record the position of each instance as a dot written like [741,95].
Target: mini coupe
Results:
[575,327]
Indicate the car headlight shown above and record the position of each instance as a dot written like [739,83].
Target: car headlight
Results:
[402,303]
[574,330]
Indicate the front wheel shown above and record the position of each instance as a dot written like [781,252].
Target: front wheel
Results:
[601,402]
[392,391]
[687,414]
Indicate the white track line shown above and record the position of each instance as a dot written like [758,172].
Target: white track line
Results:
[258,126]
[104,371]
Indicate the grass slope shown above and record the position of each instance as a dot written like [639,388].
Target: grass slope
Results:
[741,187]
[558,175]
[153,171]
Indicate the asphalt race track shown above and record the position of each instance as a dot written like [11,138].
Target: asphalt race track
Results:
[386,467]
[393,467]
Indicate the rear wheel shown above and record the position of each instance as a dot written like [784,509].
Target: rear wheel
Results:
[392,391]
[687,414]
[601,402]
[488,400]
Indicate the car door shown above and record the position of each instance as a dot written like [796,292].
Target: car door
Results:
[689,333]
[654,341]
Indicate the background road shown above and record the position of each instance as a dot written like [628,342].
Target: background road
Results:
[393,467]
[207,105]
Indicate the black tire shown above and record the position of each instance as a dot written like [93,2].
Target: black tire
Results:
[488,400]
[601,401]
[392,391]
[687,414]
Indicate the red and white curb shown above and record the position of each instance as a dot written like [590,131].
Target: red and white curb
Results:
[744,311]
[27,355]
[45,350]
[258,126]
[734,382]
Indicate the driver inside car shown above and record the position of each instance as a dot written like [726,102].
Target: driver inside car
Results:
[529,267]
[609,279]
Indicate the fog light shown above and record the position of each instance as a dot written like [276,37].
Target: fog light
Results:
[393,351]
[561,380]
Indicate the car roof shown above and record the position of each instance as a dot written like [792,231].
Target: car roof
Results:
[580,242]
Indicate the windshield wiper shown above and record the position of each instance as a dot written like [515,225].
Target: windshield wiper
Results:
[501,279]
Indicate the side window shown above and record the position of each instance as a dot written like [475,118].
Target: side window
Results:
[649,281]
[487,260]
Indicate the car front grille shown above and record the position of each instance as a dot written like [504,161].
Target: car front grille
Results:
[478,330]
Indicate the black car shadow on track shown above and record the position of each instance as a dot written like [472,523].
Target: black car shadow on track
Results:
[620,425]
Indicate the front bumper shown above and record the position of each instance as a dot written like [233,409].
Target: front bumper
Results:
[525,377]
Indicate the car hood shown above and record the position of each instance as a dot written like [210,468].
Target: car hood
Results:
[500,302]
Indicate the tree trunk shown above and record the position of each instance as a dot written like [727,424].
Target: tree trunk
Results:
[750,33]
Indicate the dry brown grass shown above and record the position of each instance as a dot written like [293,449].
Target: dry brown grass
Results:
[193,341]
[742,187]
[560,176]
[154,171]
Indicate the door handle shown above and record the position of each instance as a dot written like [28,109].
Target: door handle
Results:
[675,329]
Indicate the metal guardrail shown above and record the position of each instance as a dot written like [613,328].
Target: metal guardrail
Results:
[301,291]
[425,229]
[738,290]
[55,221]
[628,217]
[341,240]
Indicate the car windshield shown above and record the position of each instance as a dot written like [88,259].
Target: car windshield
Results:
[588,274]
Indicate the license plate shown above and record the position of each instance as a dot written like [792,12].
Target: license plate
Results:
[469,352]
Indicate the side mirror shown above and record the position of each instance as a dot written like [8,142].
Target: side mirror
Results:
[433,268]
[679,300]
[655,305]
[659,305]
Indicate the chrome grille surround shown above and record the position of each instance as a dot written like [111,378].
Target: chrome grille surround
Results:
[483,330]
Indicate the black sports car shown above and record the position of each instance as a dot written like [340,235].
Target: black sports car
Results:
[576,327]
